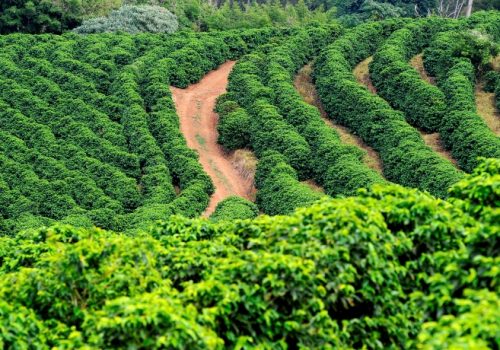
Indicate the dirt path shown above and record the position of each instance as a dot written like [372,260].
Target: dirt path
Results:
[417,62]
[486,108]
[198,123]
[304,85]
[362,74]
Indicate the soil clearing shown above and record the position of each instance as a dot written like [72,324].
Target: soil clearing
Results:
[304,85]
[198,122]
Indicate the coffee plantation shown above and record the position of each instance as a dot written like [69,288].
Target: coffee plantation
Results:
[113,233]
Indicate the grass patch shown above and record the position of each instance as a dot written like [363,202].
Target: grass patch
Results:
[313,185]
[201,141]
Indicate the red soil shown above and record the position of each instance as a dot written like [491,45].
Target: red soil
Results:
[198,122]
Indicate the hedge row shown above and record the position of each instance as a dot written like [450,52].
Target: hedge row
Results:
[40,137]
[155,180]
[405,157]
[279,188]
[393,268]
[486,22]
[83,190]
[283,153]
[98,108]
[67,127]
[455,58]
[268,129]
[162,122]
[339,168]
[489,23]
[400,84]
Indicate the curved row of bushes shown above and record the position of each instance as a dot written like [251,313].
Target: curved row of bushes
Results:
[40,138]
[450,108]
[279,188]
[155,178]
[405,157]
[262,111]
[455,58]
[21,97]
[233,208]
[247,118]
[98,108]
[339,168]
[400,84]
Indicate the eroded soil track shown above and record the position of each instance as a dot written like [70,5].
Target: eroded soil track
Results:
[198,123]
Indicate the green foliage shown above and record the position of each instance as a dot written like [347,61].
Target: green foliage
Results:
[20,328]
[474,328]
[491,80]
[406,159]
[89,137]
[400,84]
[233,125]
[132,19]
[245,15]
[456,58]
[125,322]
[234,207]
[279,189]
[337,167]
[479,191]
[35,16]
[92,138]
[392,268]
[449,47]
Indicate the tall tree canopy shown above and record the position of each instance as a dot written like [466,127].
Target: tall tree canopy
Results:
[34,16]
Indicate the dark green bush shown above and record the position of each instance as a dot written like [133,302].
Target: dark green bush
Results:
[233,126]
[406,159]
[463,131]
[279,190]
[233,208]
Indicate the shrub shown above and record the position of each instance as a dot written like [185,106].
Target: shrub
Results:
[463,131]
[400,84]
[35,17]
[171,325]
[233,208]
[279,190]
[234,129]
[391,268]
[406,159]
[132,19]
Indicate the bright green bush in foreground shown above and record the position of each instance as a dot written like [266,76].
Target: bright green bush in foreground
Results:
[391,268]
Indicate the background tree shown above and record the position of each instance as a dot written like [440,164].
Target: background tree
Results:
[35,16]
[132,19]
